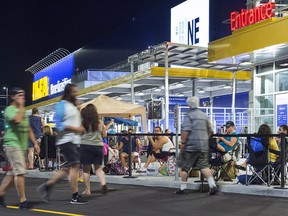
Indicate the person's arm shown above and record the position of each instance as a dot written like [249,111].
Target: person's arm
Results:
[20,115]
[43,124]
[109,124]
[120,146]
[219,147]
[158,145]
[230,143]
[79,129]
[138,143]
[33,140]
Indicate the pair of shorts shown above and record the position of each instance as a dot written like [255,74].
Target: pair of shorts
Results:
[189,160]
[90,154]
[16,158]
[30,144]
[70,153]
[160,155]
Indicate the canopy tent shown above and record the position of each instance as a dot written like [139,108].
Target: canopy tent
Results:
[109,107]
[125,122]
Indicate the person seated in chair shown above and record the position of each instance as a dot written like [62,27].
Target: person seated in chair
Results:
[125,145]
[269,142]
[227,144]
[160,148]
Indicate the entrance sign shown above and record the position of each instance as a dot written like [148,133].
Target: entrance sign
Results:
[251,16]
[190,23]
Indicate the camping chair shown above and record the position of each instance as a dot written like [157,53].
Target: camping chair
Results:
[222,162]
[60,160]
[263,171]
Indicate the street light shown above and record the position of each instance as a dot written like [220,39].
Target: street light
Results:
[7,96]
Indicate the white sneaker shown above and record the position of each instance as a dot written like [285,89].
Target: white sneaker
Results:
[142,170]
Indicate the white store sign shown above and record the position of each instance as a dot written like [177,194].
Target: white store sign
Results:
[190,23]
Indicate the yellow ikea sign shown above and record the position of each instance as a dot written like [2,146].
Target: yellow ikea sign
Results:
[40,88]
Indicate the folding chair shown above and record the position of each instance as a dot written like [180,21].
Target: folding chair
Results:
[60,160]
[222,162]
[263,171]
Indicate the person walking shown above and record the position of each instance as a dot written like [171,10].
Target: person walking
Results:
[91,148]
[68,121]
[37,124]
[194,148]
[16,144]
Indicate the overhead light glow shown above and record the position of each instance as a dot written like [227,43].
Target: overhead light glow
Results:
[227,87]
[140,93]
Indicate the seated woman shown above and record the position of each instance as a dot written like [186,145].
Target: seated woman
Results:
[266,141]
[160,148]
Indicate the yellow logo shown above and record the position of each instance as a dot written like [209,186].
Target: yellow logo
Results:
[40,88]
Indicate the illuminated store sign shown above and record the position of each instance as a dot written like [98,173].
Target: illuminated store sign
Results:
[51,81]
[190,23]
[251,16]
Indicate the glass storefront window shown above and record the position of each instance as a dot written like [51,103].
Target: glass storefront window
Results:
[267,84]
[264,68]
[264,120]
[281,81]
[264,105]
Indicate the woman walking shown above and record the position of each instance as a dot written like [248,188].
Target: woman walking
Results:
[91,148]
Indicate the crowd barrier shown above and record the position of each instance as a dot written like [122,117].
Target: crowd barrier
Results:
[177,142]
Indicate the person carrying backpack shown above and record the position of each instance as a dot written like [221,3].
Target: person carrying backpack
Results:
[68,122]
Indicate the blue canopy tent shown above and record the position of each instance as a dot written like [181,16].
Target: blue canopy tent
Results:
[126,122]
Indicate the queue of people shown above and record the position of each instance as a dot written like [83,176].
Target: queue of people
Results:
[84,128]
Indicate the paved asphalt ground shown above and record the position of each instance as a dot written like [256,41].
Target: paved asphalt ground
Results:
[142,201]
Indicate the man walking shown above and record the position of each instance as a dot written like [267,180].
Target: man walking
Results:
[68,140]
[194,146]
[16,144]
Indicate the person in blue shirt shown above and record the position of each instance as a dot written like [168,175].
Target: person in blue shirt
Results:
[125,145]
[226,144]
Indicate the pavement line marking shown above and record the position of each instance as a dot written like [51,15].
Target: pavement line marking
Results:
[48,211]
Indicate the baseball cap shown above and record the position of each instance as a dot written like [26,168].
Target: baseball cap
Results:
[229,124]
[16,90]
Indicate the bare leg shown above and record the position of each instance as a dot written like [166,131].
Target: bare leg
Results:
[184,176]
[100,174]
[150,159]
[207,174]
[74,171]
[57,176]
[123,157]
[86,177]
[6,184]
[31,158]
[20,187]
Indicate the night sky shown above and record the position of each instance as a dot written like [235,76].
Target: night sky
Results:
[32,29]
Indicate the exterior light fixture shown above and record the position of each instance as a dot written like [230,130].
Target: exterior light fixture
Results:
[179,84]
[201,91]
[140,93]
[157,90]
[227,87]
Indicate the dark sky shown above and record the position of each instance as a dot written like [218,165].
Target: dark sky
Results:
[32,29]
